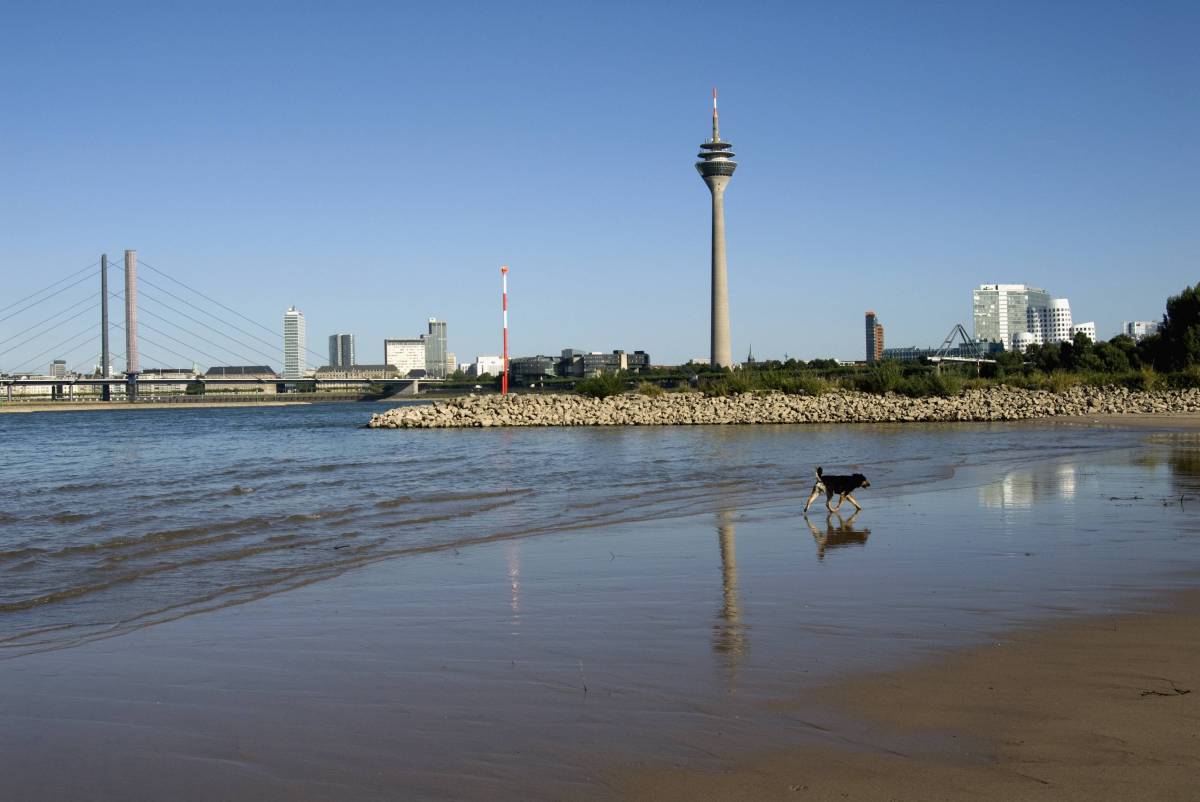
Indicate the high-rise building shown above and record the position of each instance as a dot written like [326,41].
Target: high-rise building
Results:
[1137,329]
[341,351]
[874,338]
[451,362]
[1050,323]
[58,368]
[294,344]
[405,355]
[716,167]
[435,349]
[1087,329]
[1002,310]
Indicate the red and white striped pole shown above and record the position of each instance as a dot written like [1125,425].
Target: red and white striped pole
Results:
[504,301]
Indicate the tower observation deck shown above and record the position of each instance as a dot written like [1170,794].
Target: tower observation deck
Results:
[716,167]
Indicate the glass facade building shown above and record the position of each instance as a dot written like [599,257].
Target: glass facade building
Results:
[435,349]
[1002,310]
[294,364]
[341,351]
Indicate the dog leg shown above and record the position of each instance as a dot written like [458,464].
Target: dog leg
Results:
[816,492]
[841,498]
[850,498]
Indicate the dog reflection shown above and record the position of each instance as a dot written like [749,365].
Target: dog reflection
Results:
[837,535]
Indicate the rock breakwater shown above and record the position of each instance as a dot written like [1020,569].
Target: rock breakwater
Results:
[684,409]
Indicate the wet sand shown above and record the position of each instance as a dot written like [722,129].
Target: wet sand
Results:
[1102,709]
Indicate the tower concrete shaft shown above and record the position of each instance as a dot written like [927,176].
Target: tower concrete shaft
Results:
[716,167]
[131,344]
[105,390]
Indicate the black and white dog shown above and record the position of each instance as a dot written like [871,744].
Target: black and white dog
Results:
[842,485]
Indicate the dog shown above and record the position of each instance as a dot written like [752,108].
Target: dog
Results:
[842,485]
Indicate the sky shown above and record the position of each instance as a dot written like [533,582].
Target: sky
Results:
[375,164]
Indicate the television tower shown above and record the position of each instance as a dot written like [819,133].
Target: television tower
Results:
[716,167]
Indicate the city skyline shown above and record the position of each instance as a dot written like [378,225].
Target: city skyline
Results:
[955,146]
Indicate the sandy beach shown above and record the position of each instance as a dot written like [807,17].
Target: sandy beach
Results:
[1104,708]
[644,614]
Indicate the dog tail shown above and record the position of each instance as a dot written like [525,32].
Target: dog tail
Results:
[818,471]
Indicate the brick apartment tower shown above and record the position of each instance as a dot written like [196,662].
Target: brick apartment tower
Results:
[874,339]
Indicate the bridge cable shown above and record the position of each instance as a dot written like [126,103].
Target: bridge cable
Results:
[223,306]
[57,346]
[43,300]
[47,320]
[271,345]
[160,362]
[79,314]
[210,328]
[44,289]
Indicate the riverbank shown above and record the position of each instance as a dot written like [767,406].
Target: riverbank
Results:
[96,406]
[991,404]
[1105,708]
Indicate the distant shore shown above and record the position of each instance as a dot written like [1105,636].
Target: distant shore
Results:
[93,406]
[691,408]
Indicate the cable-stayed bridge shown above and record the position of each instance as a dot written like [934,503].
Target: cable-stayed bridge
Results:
[169,330]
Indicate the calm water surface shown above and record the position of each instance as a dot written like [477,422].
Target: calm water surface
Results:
[112,521]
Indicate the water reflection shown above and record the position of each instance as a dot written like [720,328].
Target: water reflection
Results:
[729,633]
[1021,489]
[1185,468]
[837,535]
[513,557]
[1181,459]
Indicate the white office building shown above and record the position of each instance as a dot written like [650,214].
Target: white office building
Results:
[492,365]
[405,355]
[1137,329]
[294,344]
[1002,310]
[1050,323]
[1088,329]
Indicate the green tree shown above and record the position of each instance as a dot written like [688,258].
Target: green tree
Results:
[1110,358]
[1177,344]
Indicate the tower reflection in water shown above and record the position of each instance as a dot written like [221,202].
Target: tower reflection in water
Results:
[513,557]
[729,632]
[837,535]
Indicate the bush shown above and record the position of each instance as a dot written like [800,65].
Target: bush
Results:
[1145,379]
[730,384]
[601,386]
[649,389]
[812,385]
[1185,379]
[1060,381]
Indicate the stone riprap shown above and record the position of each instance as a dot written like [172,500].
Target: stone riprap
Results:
[683,409]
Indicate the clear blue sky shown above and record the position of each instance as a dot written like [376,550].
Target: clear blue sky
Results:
[375,163]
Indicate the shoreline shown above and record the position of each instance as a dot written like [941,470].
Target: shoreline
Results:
[96,406]
[1099,707]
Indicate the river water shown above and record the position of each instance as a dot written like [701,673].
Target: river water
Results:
[115,521]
